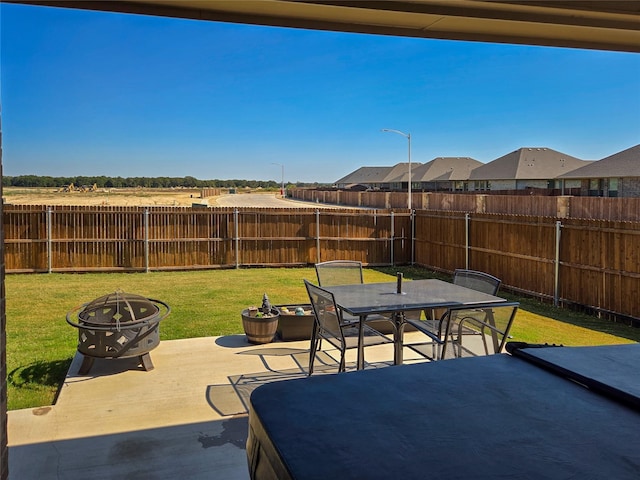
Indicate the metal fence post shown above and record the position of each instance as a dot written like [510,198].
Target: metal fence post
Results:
[318,236]
[412,217]
[556,280]
[393,261]
[146,240]
[236,236]
[467,219]
[49,235]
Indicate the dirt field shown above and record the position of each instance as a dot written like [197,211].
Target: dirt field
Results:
[115,196]
[146,197]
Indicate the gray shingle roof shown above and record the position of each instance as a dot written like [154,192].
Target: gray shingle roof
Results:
[445,168]
[528,164]
[622,164]
[366,175]
[400,172]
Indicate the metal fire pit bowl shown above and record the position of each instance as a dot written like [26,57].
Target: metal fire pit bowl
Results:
[118,325]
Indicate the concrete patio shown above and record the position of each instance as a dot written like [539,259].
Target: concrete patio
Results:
[185,418]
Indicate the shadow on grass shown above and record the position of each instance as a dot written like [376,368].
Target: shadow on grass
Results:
[533,305]
[38,374]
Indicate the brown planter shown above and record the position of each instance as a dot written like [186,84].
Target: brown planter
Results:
[295,327]
[260,329]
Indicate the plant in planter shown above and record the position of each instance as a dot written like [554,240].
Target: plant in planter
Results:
[260,324]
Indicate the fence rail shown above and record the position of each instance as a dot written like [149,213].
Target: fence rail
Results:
[594,263]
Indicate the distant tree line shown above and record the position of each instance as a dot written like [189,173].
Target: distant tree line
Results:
[146,182]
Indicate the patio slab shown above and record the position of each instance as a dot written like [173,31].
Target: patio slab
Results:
[186,417]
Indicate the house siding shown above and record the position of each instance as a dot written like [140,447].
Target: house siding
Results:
[629,187]
[503,185]
[524,184]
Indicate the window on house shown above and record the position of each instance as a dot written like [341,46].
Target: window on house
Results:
[460,186]
[483,185]
[595,187]
[613,187]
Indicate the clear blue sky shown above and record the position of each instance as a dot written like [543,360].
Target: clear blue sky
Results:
[94,93]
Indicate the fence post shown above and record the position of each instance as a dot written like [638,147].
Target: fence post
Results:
[412,217]
[235,236]
[146,240]
[49,234]
[556,280]
[467,219]
[393,262]
[317,236]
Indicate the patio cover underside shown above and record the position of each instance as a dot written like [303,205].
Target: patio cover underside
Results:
[602,25]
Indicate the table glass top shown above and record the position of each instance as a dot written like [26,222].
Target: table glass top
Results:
[365,298]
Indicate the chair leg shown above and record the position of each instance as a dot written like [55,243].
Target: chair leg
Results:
[342,366]
[313,348]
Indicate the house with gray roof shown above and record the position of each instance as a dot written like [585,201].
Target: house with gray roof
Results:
[526,168]
[372,177]
[394,178]
[617,175]
[448,174]
[398,177]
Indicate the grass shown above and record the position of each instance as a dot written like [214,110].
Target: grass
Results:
[41,345]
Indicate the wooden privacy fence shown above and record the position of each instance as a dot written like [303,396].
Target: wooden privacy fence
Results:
[80,239]
[592,263]
[623,209]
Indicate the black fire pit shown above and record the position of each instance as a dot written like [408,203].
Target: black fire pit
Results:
[118,325]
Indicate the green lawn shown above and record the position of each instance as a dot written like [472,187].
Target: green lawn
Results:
[41,345]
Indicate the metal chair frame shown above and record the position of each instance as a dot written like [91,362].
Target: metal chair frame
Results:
[475,280]
[329,325]
[462,318]
[333,272]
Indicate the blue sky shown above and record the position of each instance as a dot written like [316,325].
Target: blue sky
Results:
[94,93]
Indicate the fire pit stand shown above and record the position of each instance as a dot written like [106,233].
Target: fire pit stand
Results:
[118,325]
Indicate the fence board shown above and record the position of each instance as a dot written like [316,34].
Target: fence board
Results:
[440,240]
[519,250]
[601,265]
[521,205]
[623,209]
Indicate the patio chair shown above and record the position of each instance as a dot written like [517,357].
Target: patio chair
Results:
[348,272]
[491,324]
[480,281]
[331,327]
[473,279]
[343,272]
[339,272]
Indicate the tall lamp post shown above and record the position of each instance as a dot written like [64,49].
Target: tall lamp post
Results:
[282,178]
[408,137]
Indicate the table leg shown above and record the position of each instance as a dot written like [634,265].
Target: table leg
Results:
[398,337]
[494,334]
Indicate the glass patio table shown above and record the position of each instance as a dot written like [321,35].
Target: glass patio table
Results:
[364,299]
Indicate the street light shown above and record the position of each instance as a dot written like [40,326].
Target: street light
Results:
[408,137]
[282,184]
